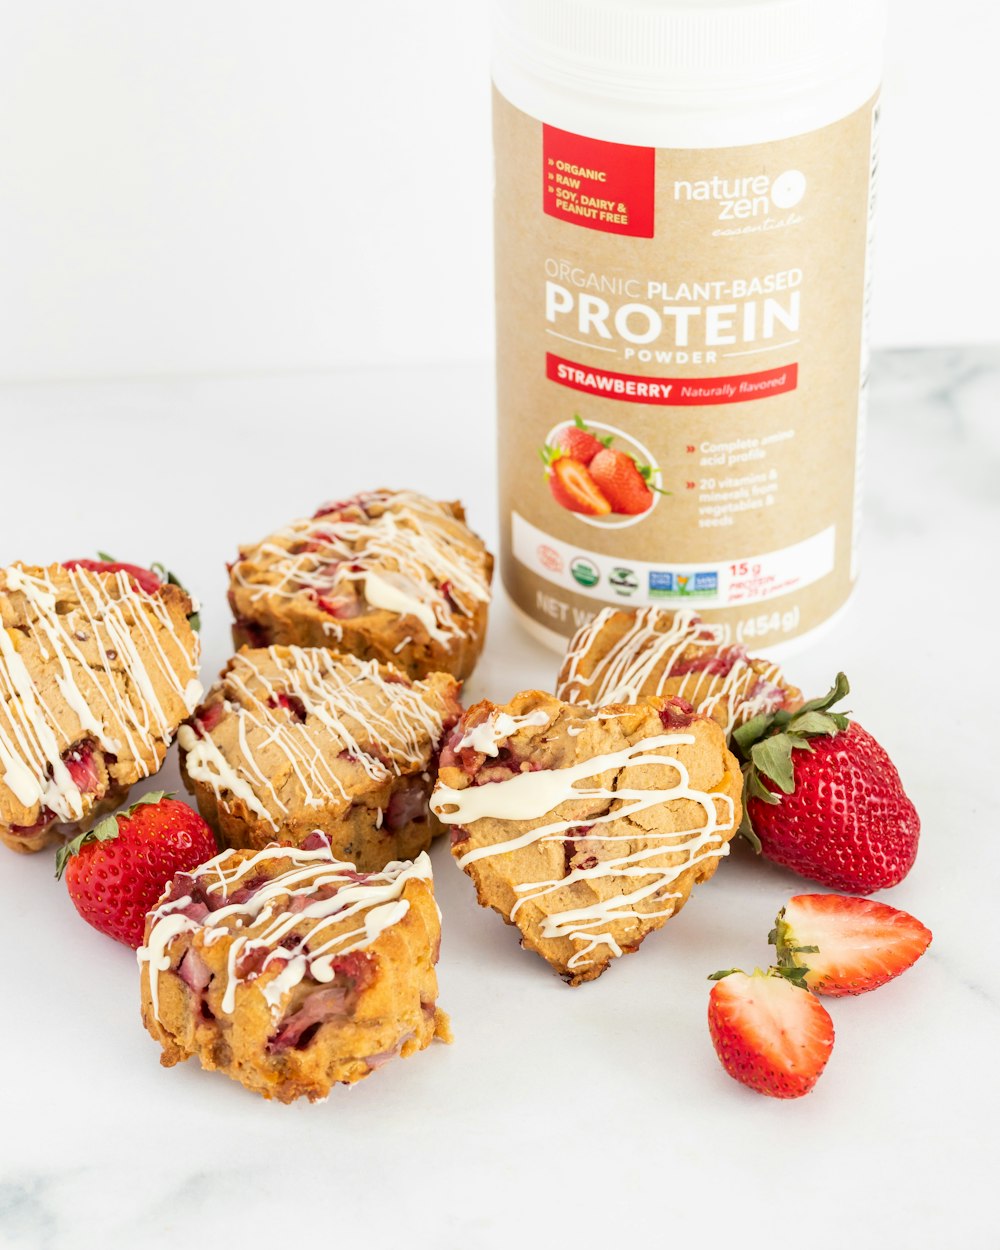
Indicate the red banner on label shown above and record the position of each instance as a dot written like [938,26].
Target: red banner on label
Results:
[600,185]
[734,388]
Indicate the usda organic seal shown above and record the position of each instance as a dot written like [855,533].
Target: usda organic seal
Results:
[585,571]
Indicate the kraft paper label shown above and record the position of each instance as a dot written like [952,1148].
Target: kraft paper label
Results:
[681,361]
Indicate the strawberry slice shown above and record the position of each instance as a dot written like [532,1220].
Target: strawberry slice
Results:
[846,945]
[769,1032]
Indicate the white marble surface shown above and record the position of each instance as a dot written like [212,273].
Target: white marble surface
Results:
[569,1117]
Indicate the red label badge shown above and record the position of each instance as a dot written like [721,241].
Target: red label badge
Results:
[603,186]
[732,388]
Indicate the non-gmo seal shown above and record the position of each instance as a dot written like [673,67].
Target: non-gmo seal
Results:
[585,571]
[623,581]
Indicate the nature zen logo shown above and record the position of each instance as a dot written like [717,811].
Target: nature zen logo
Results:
[753,195]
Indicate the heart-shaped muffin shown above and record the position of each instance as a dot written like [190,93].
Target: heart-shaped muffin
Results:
[587,827]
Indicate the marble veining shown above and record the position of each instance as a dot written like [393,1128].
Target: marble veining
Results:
[99,1147]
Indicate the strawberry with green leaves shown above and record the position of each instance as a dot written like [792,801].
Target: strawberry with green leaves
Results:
[626,484]
[116,872]
[586,474]
[823,798]
[144,579]
[846,945]
[769,1032]
[149,580]
[579,441]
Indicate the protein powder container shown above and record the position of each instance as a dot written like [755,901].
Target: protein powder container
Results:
[684,208]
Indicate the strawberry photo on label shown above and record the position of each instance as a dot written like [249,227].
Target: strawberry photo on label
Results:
[769,1032]
[625,484]
[579,441]
[116,872]
[846,945]
[571,485]
[824,799]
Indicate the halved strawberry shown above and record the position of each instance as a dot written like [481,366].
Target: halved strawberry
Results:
[846,945]
[572,486]
[769,1032]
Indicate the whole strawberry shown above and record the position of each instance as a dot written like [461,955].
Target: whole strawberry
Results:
[823,798]
[149,580]
[145,579]
[625,484]
[116,872]
[579,441]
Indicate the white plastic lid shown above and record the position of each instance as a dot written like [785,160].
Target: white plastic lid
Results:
[654,46]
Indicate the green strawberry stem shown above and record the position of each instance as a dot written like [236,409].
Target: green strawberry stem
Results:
[796,975]
[781,939]
[646,472]
[194,618]
[105,830]
[764,746]
[580,424]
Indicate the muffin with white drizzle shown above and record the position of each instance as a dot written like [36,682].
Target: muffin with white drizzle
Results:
[290,971]
[587,827]
[97,670]
[294,739]
[388,575]
[622,655]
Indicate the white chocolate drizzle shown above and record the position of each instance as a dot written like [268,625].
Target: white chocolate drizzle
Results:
[414,559]
[532,796]
[629,670]
[389,727]
[488,734]
[285,902]
[132,626]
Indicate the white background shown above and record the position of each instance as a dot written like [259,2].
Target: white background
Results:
[240,185]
